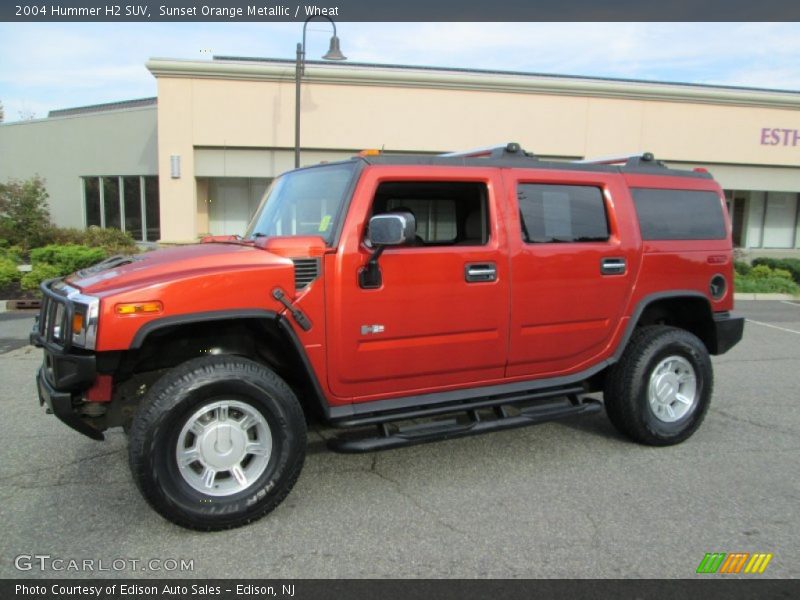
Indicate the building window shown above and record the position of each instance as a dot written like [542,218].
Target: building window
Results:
[780,220]
[133,206]
[127,203]
[152,214]
[111,202]
[91,194]
[768,220]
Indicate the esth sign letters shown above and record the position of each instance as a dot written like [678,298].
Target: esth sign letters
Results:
[773,136]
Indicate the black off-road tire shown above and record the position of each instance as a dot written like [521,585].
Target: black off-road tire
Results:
[168,405]
[626,388]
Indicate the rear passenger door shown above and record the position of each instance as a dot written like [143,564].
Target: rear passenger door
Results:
[572,264]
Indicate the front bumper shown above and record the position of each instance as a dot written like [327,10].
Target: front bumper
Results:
[65,373]
[728,330]
[61,405]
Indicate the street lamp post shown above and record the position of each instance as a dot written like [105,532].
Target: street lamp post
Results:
[333,53]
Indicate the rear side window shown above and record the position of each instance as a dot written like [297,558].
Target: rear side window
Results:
[562,213]
[679,214]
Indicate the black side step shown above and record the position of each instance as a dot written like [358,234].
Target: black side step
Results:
[456,407]
[391,436]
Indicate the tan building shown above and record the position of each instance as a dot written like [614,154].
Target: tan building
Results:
[226,128]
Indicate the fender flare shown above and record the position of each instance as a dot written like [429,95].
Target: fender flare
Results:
[647,301]
[234,315]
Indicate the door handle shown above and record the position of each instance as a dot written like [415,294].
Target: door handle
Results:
[613,266]
[476,272]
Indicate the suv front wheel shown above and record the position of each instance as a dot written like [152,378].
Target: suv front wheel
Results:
[218,442]
[660,390]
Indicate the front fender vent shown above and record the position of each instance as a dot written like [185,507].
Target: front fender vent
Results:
[306,270]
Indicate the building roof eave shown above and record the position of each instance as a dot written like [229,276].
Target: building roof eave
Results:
[376,75]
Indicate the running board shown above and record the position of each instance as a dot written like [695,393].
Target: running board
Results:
[393,436]
[418,412]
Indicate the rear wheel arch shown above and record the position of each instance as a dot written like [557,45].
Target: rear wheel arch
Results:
[688,310]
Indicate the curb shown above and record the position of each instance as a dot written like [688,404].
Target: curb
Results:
[749,296]
[12,305]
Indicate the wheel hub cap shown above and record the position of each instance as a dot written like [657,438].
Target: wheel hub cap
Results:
[223,448]
[672,390]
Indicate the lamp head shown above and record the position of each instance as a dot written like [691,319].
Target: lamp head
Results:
[334,52]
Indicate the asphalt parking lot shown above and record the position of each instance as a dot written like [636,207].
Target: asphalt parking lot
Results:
[566,499]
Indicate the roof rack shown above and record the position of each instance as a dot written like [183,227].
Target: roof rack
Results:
[499,151]
[629,160]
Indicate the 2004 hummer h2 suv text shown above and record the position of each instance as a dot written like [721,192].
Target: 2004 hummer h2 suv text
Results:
[403,299]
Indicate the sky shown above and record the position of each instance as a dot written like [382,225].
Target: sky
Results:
[46,66]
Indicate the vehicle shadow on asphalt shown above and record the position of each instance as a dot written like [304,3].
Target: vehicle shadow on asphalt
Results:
[597,424]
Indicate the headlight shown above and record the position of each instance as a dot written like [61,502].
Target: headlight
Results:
[58,323]
[84,321]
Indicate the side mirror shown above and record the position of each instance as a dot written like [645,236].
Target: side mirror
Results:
[390,229]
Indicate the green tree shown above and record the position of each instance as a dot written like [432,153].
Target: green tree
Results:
[2,112]
[24,212]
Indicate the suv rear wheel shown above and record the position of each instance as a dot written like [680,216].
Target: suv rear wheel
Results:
[660,390]
[218,442]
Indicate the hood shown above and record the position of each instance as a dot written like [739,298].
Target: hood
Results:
[160,266]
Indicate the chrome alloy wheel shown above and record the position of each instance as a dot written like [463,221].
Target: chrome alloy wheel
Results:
[224,448]
[672,391]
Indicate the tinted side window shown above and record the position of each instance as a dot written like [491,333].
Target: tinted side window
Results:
[679,214]
[562,213]
[446,212]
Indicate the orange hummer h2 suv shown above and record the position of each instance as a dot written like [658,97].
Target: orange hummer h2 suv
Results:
[399,299]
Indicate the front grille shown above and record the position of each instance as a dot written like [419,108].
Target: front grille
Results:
[306,270]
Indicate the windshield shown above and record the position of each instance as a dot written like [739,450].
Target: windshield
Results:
[304,202]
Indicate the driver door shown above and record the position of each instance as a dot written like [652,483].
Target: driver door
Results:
[440,316]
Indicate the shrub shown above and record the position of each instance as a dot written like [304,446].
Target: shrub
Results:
[67,259]
[8,272]
[11,253]
[741,267]
[789,264]
[112,241]
[30,281]
[760,272]
[24,214]
[766,285]
[763,279]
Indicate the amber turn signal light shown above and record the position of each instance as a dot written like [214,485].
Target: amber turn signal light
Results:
[77,323]
[138,308]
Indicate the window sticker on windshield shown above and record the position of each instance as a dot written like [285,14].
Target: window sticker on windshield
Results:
[325,223]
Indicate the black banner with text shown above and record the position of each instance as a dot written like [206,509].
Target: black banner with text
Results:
[407,10]
[456,589]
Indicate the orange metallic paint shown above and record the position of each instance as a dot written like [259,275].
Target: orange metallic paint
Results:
[550,311]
